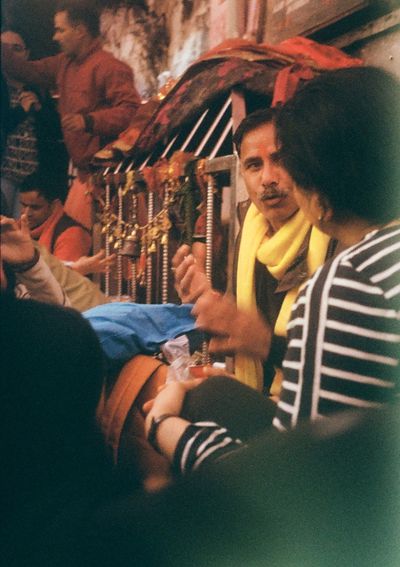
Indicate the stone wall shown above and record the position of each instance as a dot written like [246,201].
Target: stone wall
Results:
[159,40]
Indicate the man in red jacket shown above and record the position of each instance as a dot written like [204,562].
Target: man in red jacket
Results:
[97,96]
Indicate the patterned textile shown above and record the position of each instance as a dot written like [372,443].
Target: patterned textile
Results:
[198,87]
[232,63]
[21,153]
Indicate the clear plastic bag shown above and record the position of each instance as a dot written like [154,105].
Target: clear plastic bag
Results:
[177,354]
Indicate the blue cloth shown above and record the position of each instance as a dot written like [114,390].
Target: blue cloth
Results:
[127,329]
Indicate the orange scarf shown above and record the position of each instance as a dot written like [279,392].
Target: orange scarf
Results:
[44,233]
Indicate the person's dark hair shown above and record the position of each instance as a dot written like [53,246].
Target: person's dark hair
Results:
[49,187]
[252,122]
[53,377]
[84,12]
[13,29]
[339,137]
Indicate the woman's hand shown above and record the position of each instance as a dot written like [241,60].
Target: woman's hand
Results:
[169,400]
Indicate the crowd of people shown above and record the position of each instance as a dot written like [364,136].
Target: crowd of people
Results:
[294,459]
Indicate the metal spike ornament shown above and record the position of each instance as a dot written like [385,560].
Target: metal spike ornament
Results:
[135,247]
[165,226]
[119,234]
[131,244]
[107,232]
[211,189]
[150,249]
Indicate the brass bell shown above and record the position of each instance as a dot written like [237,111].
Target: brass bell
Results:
[118,232]
[164,239]
[152,248]
[131,247]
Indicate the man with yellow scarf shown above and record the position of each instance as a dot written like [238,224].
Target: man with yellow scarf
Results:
[278,250]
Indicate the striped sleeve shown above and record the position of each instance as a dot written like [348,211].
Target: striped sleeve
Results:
[344,334]
[202,443]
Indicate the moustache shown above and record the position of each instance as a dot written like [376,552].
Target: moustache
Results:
[272,192]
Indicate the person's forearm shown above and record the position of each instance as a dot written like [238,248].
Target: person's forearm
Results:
[40,72]
[168,435]
[189,446]
[201,444]
[42,285]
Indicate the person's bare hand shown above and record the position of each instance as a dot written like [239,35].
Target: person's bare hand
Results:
[190,280]
[29,101]
[97,264]
[233,330]
[16,242]
[169,400]
[73,122]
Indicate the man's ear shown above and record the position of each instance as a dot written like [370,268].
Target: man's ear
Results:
[53,204]
[81,30]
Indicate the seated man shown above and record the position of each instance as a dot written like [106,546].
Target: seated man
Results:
[63,237]
[278,250]
[41,201]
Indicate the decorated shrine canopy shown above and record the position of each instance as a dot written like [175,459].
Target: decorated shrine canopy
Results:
[159,185]
[262,74]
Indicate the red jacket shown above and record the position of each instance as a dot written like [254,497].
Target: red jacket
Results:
[96,84]
[63,237]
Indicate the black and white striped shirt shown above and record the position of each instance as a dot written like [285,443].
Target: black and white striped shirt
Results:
[344,333]
[203,442]
[343,345]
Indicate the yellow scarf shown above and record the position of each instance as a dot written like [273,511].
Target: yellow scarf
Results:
[277,253]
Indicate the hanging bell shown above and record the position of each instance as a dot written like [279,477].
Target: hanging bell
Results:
[118,232]
[152,248]
[164,239]
[131,247]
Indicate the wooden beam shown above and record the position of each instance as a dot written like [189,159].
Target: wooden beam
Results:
[369,30]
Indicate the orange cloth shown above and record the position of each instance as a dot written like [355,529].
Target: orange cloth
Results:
[72,243]
[79,203]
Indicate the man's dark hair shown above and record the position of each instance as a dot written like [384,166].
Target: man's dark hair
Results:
[84,12]
[252,122]
[45,184]
[339,136]
[13,29]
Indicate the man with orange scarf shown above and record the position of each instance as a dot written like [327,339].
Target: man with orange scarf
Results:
[278,250]
[49,225]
